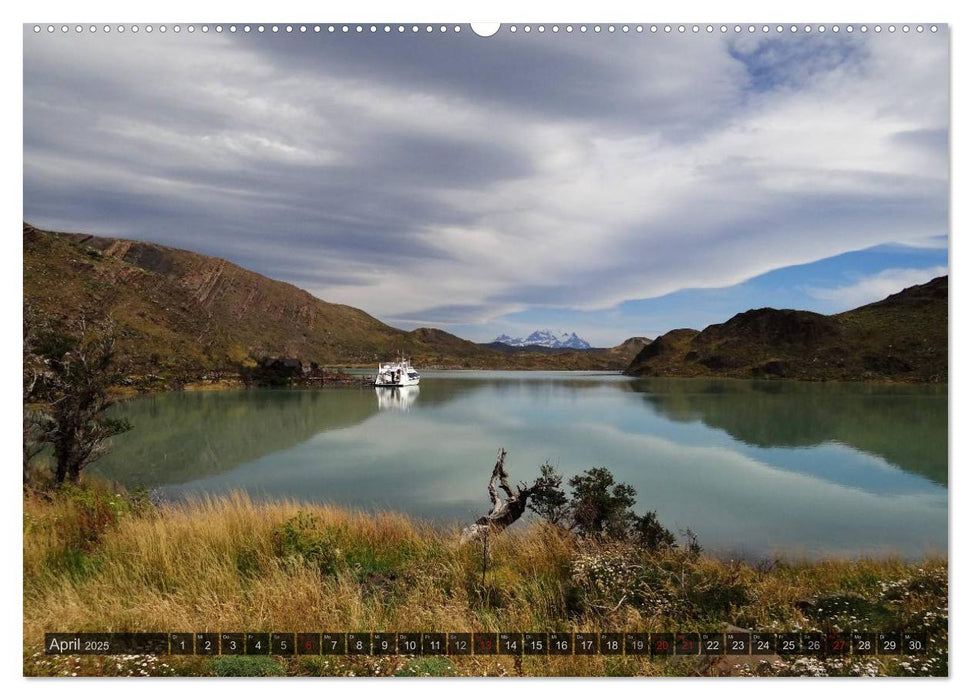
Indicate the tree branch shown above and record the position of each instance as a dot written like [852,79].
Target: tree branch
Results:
[505,511]
[497,472]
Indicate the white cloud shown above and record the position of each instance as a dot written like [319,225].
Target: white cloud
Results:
[877,287]
[687,178]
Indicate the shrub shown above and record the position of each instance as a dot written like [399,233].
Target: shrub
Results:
[548,501]
[246,666]
[318,666]
[599,507]
[90,512]
[77,565]
[141,500]
[302,540]
[609,577]
[648,532]
[433,666]
[714,590]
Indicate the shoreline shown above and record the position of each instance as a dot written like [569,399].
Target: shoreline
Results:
[236,382]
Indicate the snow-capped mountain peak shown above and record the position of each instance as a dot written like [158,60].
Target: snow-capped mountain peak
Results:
[547,339]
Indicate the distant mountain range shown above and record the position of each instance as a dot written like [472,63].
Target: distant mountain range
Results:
[181,314]
[901,338]
[546,339]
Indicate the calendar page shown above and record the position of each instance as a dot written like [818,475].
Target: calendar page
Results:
[517,349]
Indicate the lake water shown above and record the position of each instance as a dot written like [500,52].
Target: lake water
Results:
[755,468]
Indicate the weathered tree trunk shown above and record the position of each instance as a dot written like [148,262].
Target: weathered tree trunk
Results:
[60,460]
[505,511]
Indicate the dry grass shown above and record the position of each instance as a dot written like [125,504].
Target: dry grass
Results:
[99,561]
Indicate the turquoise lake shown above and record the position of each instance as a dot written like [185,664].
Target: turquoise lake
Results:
[755,468]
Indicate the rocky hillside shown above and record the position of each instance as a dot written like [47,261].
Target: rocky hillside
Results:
[902,338]
[182,313]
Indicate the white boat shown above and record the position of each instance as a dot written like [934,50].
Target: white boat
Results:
[397,373]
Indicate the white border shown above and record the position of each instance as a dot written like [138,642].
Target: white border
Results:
[830,11]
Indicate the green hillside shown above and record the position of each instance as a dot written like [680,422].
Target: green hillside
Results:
[902,338]
[181,314]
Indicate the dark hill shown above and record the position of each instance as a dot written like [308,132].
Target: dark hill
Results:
[901,338]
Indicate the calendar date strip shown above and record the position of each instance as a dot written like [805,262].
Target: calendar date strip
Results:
[489,643]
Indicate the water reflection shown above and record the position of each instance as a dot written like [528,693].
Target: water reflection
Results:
[752,467]
[396,398]
[180,436]
[905,425]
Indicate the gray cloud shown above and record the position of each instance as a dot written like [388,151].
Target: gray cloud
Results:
[450,179]
[537,75]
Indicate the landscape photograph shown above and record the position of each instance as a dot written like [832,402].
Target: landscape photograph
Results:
[356,350]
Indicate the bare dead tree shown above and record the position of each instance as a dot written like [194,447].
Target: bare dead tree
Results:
[81,370]
[505,509]
[34,417]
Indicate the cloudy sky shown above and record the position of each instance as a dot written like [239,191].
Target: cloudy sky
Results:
[608,184]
